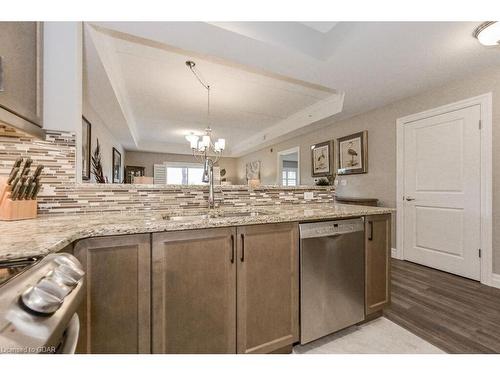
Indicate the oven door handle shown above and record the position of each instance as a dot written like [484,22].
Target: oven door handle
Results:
[72,333]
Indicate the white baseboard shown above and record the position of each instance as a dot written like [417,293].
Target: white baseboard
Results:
[495,280]
[394,253]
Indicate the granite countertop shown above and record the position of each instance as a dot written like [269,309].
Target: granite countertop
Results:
[44,235]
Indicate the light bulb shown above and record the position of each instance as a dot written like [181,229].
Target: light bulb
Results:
[205,141]
[222,144]
[193,140]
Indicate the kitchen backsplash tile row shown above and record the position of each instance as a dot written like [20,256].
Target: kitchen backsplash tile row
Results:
[60,195]
[83,198]
[56,153]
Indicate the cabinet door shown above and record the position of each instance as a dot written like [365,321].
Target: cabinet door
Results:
[378,262]
[115,314]
[21,69]
[194,291]
[267,286]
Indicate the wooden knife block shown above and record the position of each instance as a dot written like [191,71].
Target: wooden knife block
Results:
[15,209]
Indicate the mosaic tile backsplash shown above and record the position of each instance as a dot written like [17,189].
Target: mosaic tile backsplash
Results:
[60,195]
[56,153]
[85,198]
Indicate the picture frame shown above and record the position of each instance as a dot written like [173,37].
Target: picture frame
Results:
[117,166]
[322,159]
[253,170]
[353,153]
[132,171]
[86,148]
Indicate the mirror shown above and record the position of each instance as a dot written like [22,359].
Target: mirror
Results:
[145,109]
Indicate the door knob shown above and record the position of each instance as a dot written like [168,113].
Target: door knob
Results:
[409,199]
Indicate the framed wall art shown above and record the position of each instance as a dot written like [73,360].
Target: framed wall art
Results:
[117,166]
[353,153]
[322,159]
[253,170]
[86,146]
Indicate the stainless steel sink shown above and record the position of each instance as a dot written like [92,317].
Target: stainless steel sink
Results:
[185,217]
[241,214]
[213,215]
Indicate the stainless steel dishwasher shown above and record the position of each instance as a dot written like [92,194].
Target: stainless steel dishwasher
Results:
[332,293]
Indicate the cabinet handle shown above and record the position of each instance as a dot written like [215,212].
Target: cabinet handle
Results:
[242,247]
[370,235]
[232,248]
[1,74]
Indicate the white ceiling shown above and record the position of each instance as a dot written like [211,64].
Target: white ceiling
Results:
[252,67]
[162,101]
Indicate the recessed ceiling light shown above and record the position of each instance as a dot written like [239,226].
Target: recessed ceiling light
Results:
[488,33]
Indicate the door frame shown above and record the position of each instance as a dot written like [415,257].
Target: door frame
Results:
[486,180]
[292,150]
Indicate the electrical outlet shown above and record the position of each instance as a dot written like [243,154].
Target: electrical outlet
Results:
[343,182]
[308,195]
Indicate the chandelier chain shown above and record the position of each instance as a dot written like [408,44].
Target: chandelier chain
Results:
[205,85]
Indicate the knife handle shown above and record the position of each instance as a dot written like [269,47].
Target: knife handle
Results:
[18,162]
[36,190]
[15,181]
[38,171]
[30,190]
[26,188]
[13,174]
[22,187]
[26,167]
[15,189]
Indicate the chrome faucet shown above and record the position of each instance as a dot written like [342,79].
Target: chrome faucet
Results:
[208,176]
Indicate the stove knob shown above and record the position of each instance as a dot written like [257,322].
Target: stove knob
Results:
[51,286]
[65,275]
[68,259]
[39,301]
[76,273]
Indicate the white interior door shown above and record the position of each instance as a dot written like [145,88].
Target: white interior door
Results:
[442,192]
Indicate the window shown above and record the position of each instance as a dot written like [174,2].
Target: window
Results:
[289,176]
[184,174]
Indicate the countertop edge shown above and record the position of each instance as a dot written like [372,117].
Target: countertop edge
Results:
[116,228]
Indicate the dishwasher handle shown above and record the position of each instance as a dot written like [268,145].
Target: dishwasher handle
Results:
[331,228]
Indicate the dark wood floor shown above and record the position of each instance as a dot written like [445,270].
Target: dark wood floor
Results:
[455,314]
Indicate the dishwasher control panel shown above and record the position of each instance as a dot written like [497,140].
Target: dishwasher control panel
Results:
[331,228]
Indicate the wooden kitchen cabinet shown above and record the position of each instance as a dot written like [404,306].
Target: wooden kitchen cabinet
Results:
[21,88]
[194,291]
[377,263]
[115,313]
[225,290]
[267,287]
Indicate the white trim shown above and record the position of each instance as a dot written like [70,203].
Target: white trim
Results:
[394,253]
[289,151]
[485,102]
[186,164]
[495,280]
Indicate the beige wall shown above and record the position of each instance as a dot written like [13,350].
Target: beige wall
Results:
[380,181]
[100,131]
[148,159]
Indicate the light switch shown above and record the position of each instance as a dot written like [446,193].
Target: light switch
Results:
[308,195]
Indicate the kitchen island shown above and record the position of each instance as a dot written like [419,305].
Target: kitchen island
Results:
[52,233]
[196,281]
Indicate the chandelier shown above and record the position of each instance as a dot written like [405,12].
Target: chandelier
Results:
[204,147]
